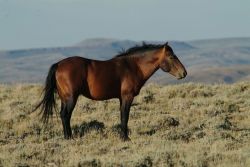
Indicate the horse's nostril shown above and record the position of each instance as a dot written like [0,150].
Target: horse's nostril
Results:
[184,73]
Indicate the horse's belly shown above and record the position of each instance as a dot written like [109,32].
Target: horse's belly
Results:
[102,91]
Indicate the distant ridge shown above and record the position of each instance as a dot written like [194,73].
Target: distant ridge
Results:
[208,60]
[125,44]
[221,42]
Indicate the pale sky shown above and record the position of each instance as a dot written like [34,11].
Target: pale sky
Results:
[49,23]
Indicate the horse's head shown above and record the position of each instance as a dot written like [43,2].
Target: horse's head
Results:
[171,64]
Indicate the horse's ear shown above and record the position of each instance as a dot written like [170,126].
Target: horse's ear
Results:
[166,44]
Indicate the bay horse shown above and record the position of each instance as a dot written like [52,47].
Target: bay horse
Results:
[121,77]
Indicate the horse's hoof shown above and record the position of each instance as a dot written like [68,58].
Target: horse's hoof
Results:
[125,139]
[68,137]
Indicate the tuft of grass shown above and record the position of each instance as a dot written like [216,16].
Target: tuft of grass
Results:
[90,163]
[85,127]
[146,162]
[148,97]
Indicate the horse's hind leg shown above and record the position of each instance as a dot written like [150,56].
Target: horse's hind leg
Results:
[63,115]
[66,112]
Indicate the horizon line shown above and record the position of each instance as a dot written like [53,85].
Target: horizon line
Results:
[120,39]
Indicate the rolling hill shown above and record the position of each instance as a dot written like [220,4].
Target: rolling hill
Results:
[210,61]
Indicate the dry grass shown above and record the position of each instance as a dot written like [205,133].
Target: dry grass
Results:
[181,125]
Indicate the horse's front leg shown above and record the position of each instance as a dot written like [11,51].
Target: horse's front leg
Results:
[125,104]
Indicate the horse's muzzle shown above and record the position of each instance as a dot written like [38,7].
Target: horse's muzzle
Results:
[182,74]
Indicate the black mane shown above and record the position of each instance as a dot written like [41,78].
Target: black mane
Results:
[138,48]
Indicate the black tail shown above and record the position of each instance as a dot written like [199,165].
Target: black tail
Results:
[48,102]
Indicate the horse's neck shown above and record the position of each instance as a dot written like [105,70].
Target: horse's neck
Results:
[148,63]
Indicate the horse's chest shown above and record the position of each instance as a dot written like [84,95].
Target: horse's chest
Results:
[131,86]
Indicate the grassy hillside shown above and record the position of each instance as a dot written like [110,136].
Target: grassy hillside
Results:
[181,125]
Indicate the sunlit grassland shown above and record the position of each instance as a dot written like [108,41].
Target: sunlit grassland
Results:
[176,125]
